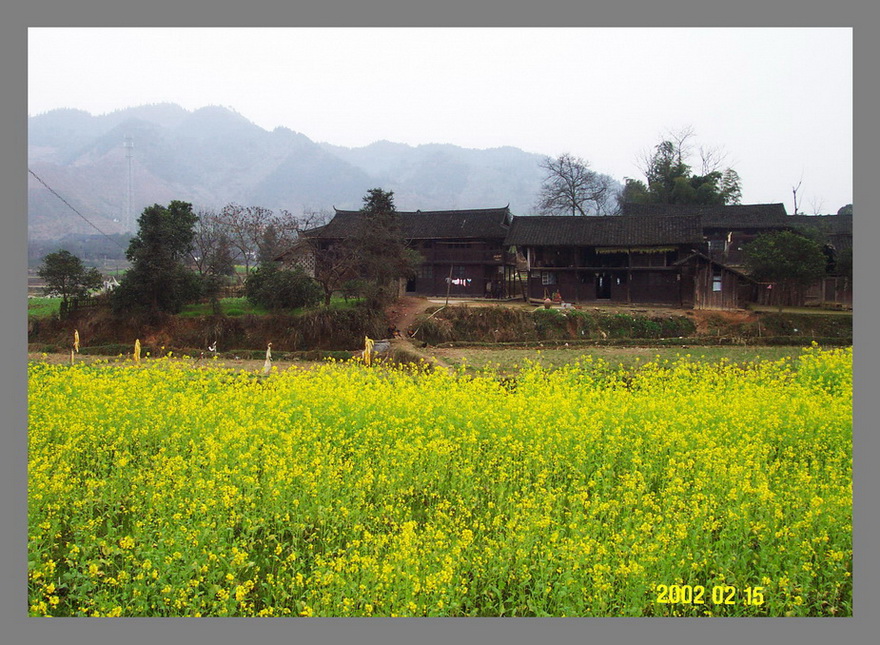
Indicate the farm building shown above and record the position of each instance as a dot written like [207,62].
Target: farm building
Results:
[728,228]
[653,254]
[463,251]
[837,231]
[725,228]
[637,259]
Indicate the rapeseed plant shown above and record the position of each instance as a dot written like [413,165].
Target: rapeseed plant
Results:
[351,490]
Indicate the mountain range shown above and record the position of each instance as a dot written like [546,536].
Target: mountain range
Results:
[213,156]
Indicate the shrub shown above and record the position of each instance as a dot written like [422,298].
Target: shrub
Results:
[275,289]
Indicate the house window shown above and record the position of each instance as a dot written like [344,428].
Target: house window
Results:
[716,280]
[426,271]
[548,278]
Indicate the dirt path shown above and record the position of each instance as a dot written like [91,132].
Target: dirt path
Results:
[402,315]
[404,312]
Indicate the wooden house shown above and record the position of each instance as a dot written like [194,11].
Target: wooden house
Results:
[607,259]
[837,233]
[463,251]
[725,228]
[708,284]
[728,228]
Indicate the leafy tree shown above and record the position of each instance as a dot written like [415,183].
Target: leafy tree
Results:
[159,279]
[843,265]
[572,188]
[382,254]
[66,276]
[634,191]
[790,260]
[731,186]
[845,210]
[274,288]
[671,180]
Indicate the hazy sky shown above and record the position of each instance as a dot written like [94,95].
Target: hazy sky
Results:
[777,101]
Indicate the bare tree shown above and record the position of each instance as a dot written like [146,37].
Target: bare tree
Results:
[312,218]
[279,233]
[210,252]
[712,159]
[334,264]
[681,141]
[570,186]
[794,191]
[247,227]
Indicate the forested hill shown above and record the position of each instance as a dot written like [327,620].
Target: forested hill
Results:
[213,156]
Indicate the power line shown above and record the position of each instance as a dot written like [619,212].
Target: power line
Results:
[74,210]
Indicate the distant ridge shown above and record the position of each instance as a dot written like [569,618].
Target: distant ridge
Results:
[213,155]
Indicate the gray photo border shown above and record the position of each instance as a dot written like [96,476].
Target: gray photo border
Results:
[19,628]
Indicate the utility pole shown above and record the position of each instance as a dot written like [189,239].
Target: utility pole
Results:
[128,144]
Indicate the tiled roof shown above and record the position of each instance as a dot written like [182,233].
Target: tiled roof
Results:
[604,231]
[449,224]
[828,224]
[706,258]
[740,216]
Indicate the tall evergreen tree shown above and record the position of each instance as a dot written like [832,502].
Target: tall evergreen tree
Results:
[382,253]
[159,279]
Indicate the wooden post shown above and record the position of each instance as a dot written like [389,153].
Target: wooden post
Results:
[628,276]
[449,283]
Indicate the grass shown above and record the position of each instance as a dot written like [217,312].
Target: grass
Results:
[242,307]
[801,310]
[48,307]
[509,361]
[43,307]
[228,307]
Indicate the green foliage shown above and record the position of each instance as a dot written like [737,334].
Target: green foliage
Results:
[381,252]
[353,289]
[785,257]
[66,276]
[275,289]
[168,291]
[807,325]
[670,179]
[843,263]
[635,191]
[159,280]
[731,187]
[500,324]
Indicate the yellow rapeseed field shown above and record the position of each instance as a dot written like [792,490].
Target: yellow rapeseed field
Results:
[678,488]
